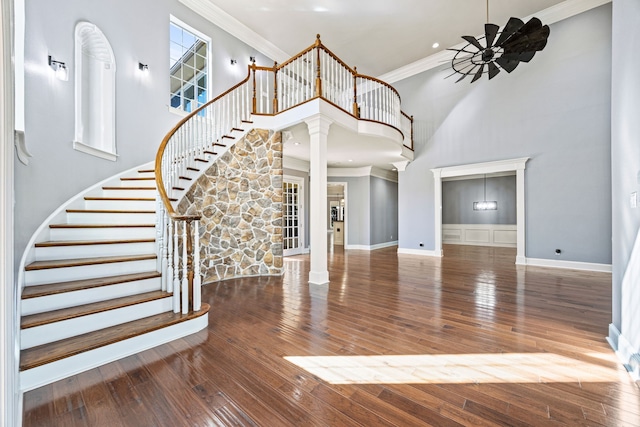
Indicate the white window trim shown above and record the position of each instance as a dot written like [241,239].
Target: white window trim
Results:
[180,23]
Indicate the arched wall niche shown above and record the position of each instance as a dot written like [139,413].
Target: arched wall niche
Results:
[95,93]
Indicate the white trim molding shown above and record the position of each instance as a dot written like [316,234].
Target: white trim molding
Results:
[372,247]
[498,235]
[419,252]
[237,29]
[625,352]
[500,166]
[571,265]
[10,396]
[363,171]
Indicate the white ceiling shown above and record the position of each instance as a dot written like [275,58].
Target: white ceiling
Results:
[390,39]
[377,36]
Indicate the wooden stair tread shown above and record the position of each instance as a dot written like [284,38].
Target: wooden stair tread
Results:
[100,225]
[137,178]
[109,211]
[147,171]
[51,244]
[44,265]
[45,318]
[144,199]
[77,285]
[51,352]
[128,188]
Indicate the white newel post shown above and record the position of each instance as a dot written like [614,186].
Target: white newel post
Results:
[176,268]
[168,262]
[185,270]
[197,281]
[318,133]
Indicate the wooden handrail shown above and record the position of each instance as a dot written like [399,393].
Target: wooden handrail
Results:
[158,164]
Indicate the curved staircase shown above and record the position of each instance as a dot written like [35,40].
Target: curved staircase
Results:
[116,270]
[93,291]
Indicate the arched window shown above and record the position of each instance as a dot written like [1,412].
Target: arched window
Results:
[95,98]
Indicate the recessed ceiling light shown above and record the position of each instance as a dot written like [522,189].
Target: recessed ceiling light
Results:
[351,160]
[296,143]
[435,45]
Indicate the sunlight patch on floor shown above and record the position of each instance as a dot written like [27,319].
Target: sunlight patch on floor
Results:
[453,369]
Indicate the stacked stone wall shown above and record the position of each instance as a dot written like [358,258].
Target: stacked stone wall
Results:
[240,199]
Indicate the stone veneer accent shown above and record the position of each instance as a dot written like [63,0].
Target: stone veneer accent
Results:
[240,200]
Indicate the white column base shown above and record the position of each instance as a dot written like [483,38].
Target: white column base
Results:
[318,277]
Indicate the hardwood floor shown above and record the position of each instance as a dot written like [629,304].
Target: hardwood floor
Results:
[469,339]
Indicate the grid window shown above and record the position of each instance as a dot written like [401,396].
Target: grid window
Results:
[188,71]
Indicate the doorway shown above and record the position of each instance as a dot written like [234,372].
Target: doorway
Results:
[293,215]
[336,211]
[515,165]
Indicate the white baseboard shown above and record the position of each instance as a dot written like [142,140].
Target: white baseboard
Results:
[421,252]
[572,265]
[629,356]
[371,247]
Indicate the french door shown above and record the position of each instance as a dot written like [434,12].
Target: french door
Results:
[293,217]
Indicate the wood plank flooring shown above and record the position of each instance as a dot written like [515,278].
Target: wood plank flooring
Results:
[469,339]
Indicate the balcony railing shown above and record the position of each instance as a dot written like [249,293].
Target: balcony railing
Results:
[313,73]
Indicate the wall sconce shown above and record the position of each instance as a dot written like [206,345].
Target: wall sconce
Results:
[60,69]
[144,68]
[252,59]
[234,62]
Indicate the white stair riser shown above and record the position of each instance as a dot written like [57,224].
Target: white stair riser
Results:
[91,251]
[44,334]
[114,205]
[51,372]
[55,275]
[137,183]
[109,233]
[110,218]
[87,296]
[129,193]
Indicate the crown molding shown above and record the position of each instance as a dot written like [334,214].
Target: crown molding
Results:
[237,29]
[548,16]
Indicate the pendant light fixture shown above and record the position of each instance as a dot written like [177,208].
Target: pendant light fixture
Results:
[484,205]
[517,42]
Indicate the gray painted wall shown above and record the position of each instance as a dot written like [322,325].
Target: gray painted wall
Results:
[357,215]
[555,110]
[625,160]
[458,197]
[384,211]
[141,34]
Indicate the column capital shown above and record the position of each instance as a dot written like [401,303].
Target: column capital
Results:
[318,123]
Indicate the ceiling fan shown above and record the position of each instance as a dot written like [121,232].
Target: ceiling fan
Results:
[496,50]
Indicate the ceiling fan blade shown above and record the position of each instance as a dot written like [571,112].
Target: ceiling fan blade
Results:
[513,25]
[472,40]
[490,33]
[478,74]
[493,70]
[507,64]
[532,37]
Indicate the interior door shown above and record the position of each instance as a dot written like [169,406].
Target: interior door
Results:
[293,218]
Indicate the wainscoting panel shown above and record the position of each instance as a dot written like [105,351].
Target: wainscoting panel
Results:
[480,234]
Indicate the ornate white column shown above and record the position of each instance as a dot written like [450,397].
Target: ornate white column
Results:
[318,132]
